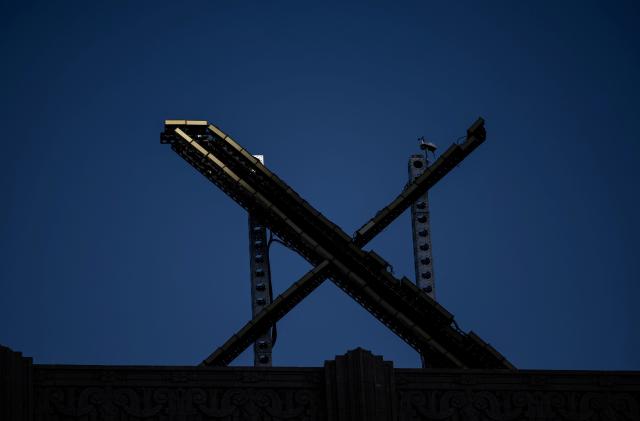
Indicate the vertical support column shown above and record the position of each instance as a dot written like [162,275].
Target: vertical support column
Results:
[421,228]
[261,293]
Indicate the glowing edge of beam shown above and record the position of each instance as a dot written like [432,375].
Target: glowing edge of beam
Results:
[210,156]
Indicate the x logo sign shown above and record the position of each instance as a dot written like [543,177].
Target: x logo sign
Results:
[398,303]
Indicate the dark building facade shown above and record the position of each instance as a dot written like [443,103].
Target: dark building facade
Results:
[356,386]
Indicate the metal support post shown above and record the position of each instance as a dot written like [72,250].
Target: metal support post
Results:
[422,256]
[421,229]
[261,292]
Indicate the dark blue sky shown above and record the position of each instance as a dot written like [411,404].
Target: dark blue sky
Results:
[115,251]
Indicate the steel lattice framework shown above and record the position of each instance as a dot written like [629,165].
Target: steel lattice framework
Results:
[398,303]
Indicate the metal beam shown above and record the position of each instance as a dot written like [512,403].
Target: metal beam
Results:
[261,292]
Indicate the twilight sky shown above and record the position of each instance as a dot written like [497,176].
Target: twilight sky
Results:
[115,251]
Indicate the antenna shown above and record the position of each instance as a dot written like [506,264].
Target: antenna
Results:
[427,147]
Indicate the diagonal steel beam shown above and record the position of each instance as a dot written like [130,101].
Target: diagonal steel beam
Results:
[381,296]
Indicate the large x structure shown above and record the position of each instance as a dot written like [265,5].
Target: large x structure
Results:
[415,317]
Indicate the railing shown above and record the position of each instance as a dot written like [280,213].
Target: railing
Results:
[356,387]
